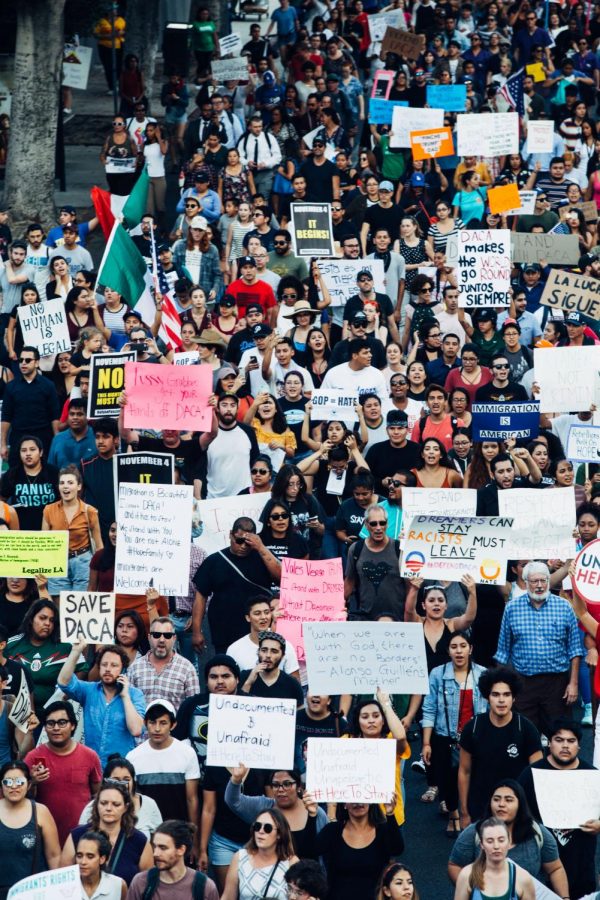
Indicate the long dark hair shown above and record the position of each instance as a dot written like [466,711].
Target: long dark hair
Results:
[355,724]
[266,533]
[29,286]
[29,594]
[141,641]
[73,296]
[283,478]
[523,827]
[444,461]
[34,609]
[284,846]
[280,424]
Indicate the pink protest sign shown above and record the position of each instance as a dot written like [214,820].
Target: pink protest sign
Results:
[311,591]
[171,397]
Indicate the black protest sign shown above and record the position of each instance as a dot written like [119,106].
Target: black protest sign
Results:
[143,468]
[312,231]
[107,382]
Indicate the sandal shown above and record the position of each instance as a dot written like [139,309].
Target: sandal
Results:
[453,828]
[443,808]
[430,795]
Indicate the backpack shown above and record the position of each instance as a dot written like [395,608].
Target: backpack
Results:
[356,550]
[153,878]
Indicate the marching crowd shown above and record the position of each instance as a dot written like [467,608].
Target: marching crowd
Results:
[111,774]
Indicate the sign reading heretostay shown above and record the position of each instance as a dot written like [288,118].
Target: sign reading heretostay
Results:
[499,421]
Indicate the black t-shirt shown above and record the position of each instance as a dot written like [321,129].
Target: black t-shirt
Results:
[15,673]
[29,494]
[230,592]
[356,304]
[350,517]
[512,393]
[383,459]
[293,411]
[226,823]
[496,753]
[99,490]
[576,848]
[487,497]
[383,217]
[319,186]
[285,688]
[188,455]
[294,545]
[331,502]
[11,614]
[240,342]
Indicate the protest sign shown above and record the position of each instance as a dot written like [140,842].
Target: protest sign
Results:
[310,591]
[21,707]
[483,261]
[451,97]
[333,405]
[543,522]
[431,143]
[230,43]
[218,515]
[571,292]
[142,468]
[567,799]
[448,547]
[55,884]
[76,66]
[540,135]
[568,377]
[537,72]
[235,69]
[350,771]
[107,382]
[503,198]
[340,277]
[586,580]
[378,23]
[587,207]
[482,134]
[560,249]
[24,554]
[187,358]
[351,657]
[410,118]
[438,502]
[153,538]
[583,443]
[312,229]
[256,731]
[171,397]
[44,326]
[87,616]
[381,111]
[527,204]
[402,43]
[499,421]
[382,84]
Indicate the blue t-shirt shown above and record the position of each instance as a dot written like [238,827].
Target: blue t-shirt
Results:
[285,20]
[55,235]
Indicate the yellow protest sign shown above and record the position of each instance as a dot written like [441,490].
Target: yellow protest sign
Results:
[537,71]
[24,554]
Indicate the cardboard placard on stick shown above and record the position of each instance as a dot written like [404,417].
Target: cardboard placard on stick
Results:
[402,43]
[572,293]
[558,249]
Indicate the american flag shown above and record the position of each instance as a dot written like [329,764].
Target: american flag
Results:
[171,323]
[513,92]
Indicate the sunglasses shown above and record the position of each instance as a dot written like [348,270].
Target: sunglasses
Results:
[337,208]
[425,291]
[14,782]
[26,359]
[267,827]
[502,366]
[167,635]
[190,205]
[395,483]
[278,516]
[280,243]
[364,278]
[240,540]
[259,471]
[398,383]
[376,522]
[290,296]
[118,124]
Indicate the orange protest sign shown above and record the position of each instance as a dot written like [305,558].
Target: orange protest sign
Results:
[503,198]
[431,143]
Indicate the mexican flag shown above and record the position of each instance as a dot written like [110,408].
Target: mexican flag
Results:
[135,205]
[123,268]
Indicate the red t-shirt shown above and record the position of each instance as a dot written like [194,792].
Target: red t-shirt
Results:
[68,789]
[440,430]
[259,292]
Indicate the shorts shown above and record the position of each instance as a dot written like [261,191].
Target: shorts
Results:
[172,117]
[221,850]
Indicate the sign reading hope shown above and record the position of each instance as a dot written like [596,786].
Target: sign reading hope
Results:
[87,616]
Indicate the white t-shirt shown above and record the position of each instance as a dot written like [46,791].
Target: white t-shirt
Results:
[228,463]
[362,381]
[136,129]
[155,159]
[245,653]
[450,324]
[278,373]
[39,260]
[257,382]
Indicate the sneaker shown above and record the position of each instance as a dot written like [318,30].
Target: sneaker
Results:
[587,715]
[417,765]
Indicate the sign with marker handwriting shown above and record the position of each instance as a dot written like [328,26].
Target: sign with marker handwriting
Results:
[340,277]
[543,522]
[218,515]
[484,266]
[21,708]
[87,616]
[569,292]
[583,443]
[44,326]
[351,657]
[256,731]
[168,397]
[24,554]
[354,770]
[310,591]
[431,143]
[568,378]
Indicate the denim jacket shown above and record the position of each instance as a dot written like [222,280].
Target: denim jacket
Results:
[442,681]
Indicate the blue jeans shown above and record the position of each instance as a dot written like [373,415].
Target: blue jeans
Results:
[331,545]
[184,639]
[77,578]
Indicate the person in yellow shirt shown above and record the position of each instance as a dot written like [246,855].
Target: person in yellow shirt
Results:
[472,164]
[103,32]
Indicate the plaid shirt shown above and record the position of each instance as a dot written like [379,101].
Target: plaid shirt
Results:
[176,682]
[536,641]
[184,605]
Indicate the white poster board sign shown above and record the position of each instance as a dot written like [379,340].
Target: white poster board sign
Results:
[583,443]
[352,657]
[356,770]
[540,136]
[483,259]
[409,118]
[333,405]
[568,378]
[543,522]
[438,502]
[187,358]
[340,277]
[485,134]
[44,326]
[255,731]
[55,884]
[76,66]
[87,616]
[21,708]
[154,535]
[567,799]
[218,515]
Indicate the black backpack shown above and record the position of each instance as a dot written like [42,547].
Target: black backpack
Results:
[153,879]
[353,605]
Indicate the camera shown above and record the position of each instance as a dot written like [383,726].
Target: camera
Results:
[139,347]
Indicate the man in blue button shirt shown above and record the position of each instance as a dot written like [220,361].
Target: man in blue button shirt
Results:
[78,442]
[113,712]
[540,638]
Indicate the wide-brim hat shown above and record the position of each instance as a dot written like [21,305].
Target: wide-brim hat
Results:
[300,307]
[210,337]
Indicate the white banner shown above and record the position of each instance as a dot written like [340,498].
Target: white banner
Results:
[340,277]
[568,378]
[567,799]
[333,405]
[154,536]
[235,69]
[540,136]
[543,522]
[356,770]
[44,326]
[409,118]
[351,657]
[255,731]
[485,134]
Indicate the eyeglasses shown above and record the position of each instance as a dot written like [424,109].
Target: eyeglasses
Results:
[167,635]
[263,826]
[293,891]
[376,522]
[26,359]
[259,471]
[14,782]
[57,723]
[501,366]
[277,516]
[286,785]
